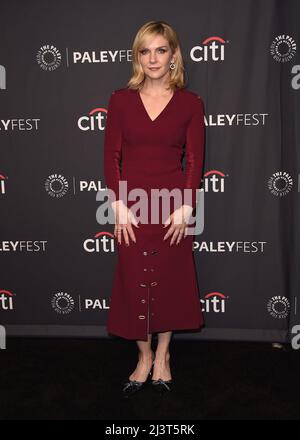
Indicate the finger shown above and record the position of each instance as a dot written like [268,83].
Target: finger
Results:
[174,237]
[119,233]
[170,231]
[125,233]
[135,223]
[180,236]
[131,233]
[133,220]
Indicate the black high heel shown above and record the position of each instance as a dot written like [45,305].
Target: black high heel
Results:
[130,387]
[162,386]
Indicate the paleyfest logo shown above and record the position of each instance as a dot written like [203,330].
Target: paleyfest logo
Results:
[56,185]
[280,183]
[283,48]
[48,57]
[63,303]
[278,306]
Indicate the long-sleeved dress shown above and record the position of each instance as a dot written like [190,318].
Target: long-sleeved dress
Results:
[155,285]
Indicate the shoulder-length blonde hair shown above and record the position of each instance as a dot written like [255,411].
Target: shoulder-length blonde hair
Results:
[152,28]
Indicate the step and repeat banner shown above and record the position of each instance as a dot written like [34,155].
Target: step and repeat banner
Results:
[59,63]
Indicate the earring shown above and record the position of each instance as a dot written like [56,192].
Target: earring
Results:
[172,65]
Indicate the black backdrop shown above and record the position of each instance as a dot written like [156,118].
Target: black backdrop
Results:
[59,63]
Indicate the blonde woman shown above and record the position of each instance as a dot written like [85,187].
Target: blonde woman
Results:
[151,124]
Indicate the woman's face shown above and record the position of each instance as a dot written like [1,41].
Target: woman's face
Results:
[155,57]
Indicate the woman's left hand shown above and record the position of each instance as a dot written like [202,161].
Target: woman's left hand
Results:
[178,220]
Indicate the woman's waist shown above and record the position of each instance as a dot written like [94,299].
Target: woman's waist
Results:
[155,181]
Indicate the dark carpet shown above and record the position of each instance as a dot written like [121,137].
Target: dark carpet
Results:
[80,379]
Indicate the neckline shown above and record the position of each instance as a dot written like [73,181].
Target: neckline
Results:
[163,110]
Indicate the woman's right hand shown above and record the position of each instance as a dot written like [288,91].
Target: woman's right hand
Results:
[123,223]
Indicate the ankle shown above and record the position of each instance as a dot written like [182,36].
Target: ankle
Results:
[146,357]
[162,356]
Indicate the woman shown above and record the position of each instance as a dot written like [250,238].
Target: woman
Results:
[148,124]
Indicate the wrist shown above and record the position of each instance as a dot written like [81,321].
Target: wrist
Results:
[117,203]
[187,212]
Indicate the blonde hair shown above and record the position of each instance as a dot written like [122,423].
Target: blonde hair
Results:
[152,28]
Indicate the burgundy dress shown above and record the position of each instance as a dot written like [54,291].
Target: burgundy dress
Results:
[155,285]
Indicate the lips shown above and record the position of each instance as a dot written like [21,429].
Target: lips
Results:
[154,68]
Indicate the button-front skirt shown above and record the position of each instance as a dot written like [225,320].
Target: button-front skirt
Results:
[155,286]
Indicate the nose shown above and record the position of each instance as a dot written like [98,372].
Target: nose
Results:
[152,57]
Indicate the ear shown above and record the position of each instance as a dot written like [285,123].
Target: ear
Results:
[175,54]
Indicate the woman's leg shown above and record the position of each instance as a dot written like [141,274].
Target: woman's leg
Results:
[161,368]
[146,357]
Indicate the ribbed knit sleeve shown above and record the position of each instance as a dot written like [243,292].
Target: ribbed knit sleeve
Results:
[113,146]
[194,150]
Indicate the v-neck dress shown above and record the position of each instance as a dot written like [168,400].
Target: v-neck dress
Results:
[155,286]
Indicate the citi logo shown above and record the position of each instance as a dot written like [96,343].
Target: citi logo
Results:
[6,300]
[2,184]
[102,242]
[214,302]
[94,120]
[214,181]
[211,49]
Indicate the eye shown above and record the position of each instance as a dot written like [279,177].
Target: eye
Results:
[144,51]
